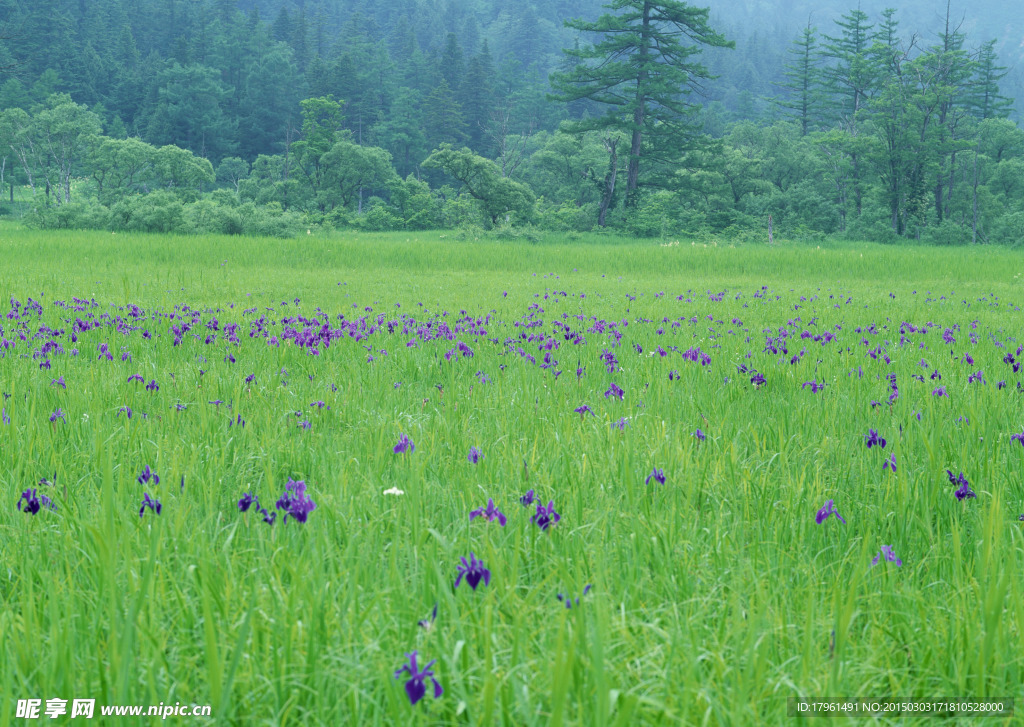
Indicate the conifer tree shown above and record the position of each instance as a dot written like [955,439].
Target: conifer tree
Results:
[984,99]
[804,77]
[641,70]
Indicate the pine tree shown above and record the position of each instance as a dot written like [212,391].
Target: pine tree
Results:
[476,95]
[805,97]
[641,70]
[282,27]
[300,40]
[442,117]
[984,100]
[850,81]
[450,63]
[851,78]
[951,72]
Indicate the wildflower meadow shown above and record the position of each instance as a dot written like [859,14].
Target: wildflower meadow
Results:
[405,478]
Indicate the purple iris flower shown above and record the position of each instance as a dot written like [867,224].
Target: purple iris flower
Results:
[1018,437]
[872,439]
[890,463]
[614,390]
[153,505]
[6,419]
[545,517]
[474,571]
[815,386]
[59,382]
[826,511]
[583,410]
[888,554]
[757,379]
[152,386]
[568,599]
[295,502]
[127,410]
[656,474]
[964,490]
[976,376]
[700,435]
[428,624]
[136,377]
[404,445]
[490,512]
[474,455]
[940,392]
[416,687]
[527,499]
[57,414]
[31,502]
[147,475]
[247,501]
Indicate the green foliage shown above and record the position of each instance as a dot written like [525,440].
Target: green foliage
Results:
[499,196]
[351,170]
[70,216]
[415,205]
[640,68]
[329,117]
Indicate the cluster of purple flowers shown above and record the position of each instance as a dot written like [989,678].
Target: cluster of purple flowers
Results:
[963,491]
[315,334]
[295,502]
[33,502]
[568,599]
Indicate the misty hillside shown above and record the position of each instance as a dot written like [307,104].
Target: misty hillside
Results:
[416,114]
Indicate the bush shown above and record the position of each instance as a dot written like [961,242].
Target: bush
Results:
[270,220]
[509,233]
[567,216]
[1008,230]
[208,216]
[160,211]
[378,219]
[71,216]
[947,233]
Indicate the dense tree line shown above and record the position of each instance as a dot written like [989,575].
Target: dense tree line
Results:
[272,117]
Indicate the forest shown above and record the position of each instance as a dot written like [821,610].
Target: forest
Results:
[653,118]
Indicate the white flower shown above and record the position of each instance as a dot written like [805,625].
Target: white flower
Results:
[394,491]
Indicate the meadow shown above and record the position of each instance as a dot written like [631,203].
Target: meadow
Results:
[688,409]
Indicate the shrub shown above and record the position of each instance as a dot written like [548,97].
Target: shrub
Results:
[160,211]
[74,215]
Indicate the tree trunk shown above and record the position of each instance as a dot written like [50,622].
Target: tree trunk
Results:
[609,180]
[633,175]
[974,223]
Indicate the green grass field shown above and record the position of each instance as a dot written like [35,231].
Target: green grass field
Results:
[716,596]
